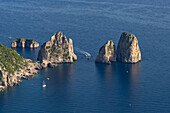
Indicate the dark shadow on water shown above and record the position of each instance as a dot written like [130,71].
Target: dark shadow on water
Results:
[61,77]
[59,87]
[57,94]
[28,53]
[122,71]
[106,71]
[128,73]
[119,80]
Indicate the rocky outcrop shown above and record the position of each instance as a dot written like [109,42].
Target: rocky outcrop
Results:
[107,53]
[57,50]
[13,68]
[22,43]
[11,79]
[128,49]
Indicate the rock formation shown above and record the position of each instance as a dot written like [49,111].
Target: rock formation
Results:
[128,49]
[107,53]
[22,43]
[13,67]
[57,50]
[11,79]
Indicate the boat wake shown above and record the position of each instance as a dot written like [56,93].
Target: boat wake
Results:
[85,53]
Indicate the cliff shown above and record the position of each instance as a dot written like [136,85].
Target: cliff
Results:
[128,49]
[22,43]
[13,67]
[57,50]
[106,53]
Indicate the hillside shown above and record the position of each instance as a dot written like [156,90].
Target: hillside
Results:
[10,60]
[14,67]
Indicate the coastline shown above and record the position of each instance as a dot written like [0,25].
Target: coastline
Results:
[28,72]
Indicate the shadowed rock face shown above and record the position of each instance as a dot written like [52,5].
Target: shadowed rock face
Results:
[107,53]
[128,49]
[57,50]
[22,43]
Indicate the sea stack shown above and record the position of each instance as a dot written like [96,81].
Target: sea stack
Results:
[22,43]
[128,49]
[107,53]
[57,50]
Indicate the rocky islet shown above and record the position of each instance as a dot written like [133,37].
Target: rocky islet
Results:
[13,67]
[107,53]
[57,50]
[128,50]
[24,43]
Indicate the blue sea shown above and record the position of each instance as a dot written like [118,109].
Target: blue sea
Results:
[84,86]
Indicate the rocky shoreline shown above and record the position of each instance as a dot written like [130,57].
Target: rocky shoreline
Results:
[59,50]
[9,80]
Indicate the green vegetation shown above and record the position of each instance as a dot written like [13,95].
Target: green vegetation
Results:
[10,60]
[47,47]
[58,51]
[23,39]
[32,61]
[53,49]
[0,74]
[69,57]
[65,55]
[18,39]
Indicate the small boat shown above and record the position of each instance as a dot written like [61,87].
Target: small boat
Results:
[48,78]
[44,85]
[10,37]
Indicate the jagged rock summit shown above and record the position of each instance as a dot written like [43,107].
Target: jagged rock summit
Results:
[128,49]
[107,53]
[57,50]
[22,43]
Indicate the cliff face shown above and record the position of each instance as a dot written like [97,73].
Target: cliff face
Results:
[128,49]
[57,50]
[13,67]
[25,72]
[22,43]
[107,53]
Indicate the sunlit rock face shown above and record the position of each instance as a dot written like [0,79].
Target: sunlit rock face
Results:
[57,50]
[22,43]
[107,53]
[128,49]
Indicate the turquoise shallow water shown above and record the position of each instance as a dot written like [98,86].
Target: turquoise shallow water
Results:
[85,86]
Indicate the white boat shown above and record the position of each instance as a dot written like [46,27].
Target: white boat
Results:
[48,78]
[44,85]
[10,37]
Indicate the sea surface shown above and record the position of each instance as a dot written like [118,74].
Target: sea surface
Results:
[84,86]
